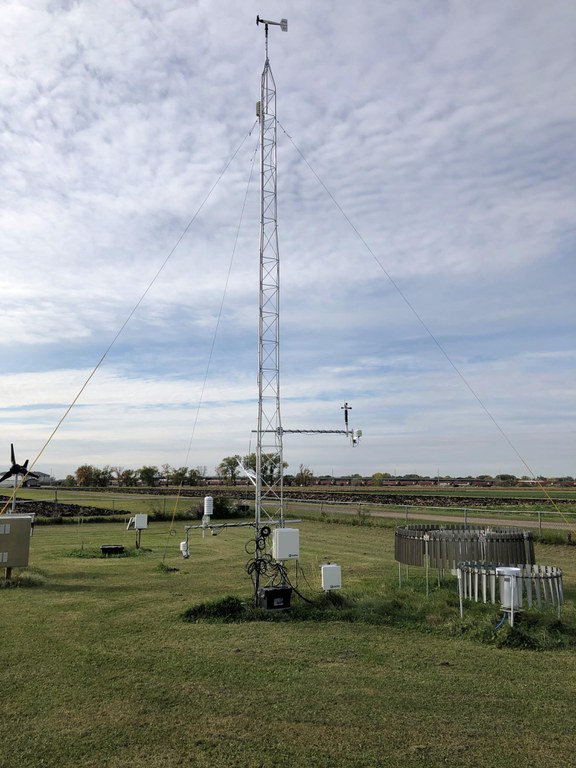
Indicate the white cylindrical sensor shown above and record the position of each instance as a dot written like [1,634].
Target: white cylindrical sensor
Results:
[510,588]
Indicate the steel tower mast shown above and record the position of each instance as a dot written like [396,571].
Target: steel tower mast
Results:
[269,448]
[269,476]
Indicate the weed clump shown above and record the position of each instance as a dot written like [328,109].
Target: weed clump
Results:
[438,613]
[25,579]
[226,610]
[95,552]
[536,632]
[163,568]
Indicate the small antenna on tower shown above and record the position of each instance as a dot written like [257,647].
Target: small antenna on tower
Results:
[346,408]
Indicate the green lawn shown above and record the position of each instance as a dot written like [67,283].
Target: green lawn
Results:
[98,669]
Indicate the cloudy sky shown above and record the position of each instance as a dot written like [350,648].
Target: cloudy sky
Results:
[427,185]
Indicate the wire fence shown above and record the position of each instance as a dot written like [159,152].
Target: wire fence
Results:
[165,504]
[532,518]
[116,503]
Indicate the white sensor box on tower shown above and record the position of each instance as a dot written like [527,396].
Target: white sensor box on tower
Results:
[285,543]
[331,577]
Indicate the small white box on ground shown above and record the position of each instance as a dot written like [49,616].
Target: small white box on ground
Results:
[285,543]
[331,577]
[140,522]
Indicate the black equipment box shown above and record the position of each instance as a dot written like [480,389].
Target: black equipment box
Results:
[275,598]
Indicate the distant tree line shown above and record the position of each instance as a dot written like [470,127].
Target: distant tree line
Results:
[228,471]
[88,476]
[231,468]
[236,468]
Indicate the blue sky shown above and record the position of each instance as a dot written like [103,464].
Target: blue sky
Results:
[444,131]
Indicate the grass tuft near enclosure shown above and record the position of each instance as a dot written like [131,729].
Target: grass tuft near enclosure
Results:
[437,613]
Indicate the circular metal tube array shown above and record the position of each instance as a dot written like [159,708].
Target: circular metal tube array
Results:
[538,584]
[447,546]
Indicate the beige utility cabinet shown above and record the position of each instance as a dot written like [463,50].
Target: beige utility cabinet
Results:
[15,533]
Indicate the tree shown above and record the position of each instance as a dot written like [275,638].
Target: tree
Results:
[249,461]
[127,478]
[304,476]
[178,476]
[506,479]
[196,476]
[85,476]
[270,469]
[88,476]
[116,473]
[102,477]
[148,475]
[228,469]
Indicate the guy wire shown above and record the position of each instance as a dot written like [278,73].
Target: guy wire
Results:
[128,318]
[217,326]
[422,322]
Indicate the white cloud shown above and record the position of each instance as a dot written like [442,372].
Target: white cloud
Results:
[446,137]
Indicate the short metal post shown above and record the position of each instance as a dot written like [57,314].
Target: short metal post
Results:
[426,560]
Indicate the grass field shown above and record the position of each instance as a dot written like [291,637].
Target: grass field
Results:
[98,668]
